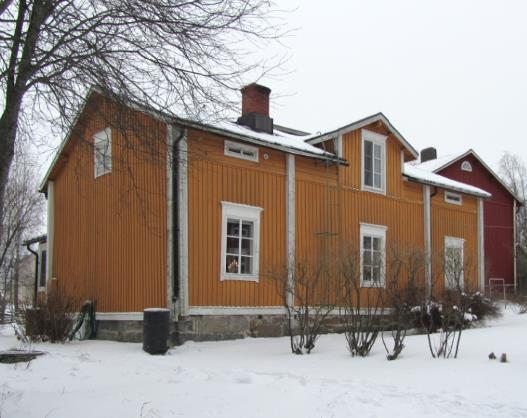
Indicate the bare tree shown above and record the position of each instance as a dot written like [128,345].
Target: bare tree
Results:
[22,216]
[309,298]
[514,172]
[157,53]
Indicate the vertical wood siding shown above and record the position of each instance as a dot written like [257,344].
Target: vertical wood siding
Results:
[110,232]
[213,178]
[459,222]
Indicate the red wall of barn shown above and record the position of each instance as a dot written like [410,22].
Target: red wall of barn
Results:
[498,218]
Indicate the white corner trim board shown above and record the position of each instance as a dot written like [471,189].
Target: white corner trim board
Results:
[481,245]
[51,230]
[170,214]
[182,190]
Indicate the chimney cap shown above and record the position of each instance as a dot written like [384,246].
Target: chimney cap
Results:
[256,86]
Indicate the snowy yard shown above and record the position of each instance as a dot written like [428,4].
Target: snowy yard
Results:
[260,378]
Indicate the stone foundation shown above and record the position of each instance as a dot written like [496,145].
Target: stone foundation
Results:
[208,328]
[199,328]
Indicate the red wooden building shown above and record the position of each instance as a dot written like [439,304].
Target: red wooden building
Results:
[499,212]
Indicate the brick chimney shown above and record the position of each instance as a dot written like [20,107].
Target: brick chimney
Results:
[255,108]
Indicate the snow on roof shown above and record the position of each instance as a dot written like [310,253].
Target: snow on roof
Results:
[437,163]
[278,137]
[425,176]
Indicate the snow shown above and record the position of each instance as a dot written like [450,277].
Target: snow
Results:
[260,378]
[437,163]
[277,138]
[425,176]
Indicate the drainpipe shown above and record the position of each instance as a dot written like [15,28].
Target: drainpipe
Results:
[37,262]
[514,249]
[428,239]
[173,163]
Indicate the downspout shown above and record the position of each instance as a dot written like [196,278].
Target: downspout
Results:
[514,249]
[428,240]
[37,262]
[173,215]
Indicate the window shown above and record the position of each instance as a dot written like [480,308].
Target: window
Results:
[373,161]
[246,152]
[102,143]
[453,198]
[454,267]
[372,250]
[42,261]
[240,242]
[466,166]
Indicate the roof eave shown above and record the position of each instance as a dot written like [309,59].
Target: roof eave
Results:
[361,124]
[443,186]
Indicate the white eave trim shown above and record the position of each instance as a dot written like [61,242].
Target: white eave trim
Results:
[361,124]
[445,187]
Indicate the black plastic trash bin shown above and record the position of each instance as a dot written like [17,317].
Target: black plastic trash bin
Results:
[155,330]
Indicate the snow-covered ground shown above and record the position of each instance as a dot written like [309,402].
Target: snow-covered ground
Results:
[260,378]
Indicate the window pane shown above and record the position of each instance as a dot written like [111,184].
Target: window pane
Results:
[368,152]
[376,274]
[366,242]
[233,227]
[377,152]
[376,244]
[368,178]
[247,247]
[232,264]
[247,229]
[233,246]
[366,258]
[247,265]
[366,273]
[377,181]
[377,258]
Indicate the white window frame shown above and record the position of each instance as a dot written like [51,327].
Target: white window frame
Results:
[244,213]
[376,139]
[455,242]
[102,162]
[375,231]
[466,166]
[228,145]
[42,249]
[453,198]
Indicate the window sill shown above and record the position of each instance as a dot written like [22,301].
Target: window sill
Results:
[370,285]
[373,190]
[241,277]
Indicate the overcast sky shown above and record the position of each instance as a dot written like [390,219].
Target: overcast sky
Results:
[449,74]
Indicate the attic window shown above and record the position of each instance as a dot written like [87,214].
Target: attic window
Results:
[245,152]
[102,147]
[453,198]
[466,166]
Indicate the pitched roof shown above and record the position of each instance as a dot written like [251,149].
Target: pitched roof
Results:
[440,163]
[427,177]
[315,139]
[283,139]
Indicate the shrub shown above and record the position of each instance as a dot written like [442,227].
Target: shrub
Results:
[480,306]
[51,319]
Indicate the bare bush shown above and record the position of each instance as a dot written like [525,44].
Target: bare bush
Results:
[404,290]
[308,295]
[361,299]
[51,319]
[446,314]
